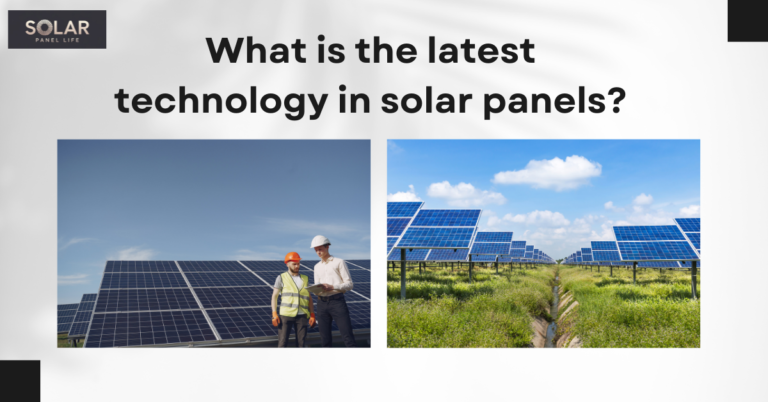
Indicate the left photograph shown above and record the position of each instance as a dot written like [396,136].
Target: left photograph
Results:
[214,243]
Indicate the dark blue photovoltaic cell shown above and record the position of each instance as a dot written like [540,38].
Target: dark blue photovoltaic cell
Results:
[403,209]
[658,264]
[415,255]
[396,226]
[89,297]
[447,217]
[586,258]
[647,233]
[578,253]
[437,237]
[689,224]
[363,288]
[123,300]
[212,266]
[695,239]
[657,250]
[143,280]
[528,255]
[516,253]
[260,266]
[235,296]
[579,259]
[141,266]
[148,328]
[604,246]
[214,279]
[586,251]
[518,244]
[528,248]
[252,322]
[67,307]
[490,248]
[79,328]
[606,255]
[391,241]
[493,237]
[448,255]
[361,263]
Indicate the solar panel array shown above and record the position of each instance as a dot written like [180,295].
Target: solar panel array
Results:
[605,251]
[65,316]
[83,316]
[399,216]
[586,254]
[143,303]
[653,243]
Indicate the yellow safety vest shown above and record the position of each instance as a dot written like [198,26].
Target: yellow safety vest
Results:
[293,299]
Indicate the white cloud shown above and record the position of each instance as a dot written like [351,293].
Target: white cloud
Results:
[643,199]
[135,254]
[544,218]
[74,241]
[75,279]
[571,173]
[464,195]
[393,148]
[404,196]
[693,211]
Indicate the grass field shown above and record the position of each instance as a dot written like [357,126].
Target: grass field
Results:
[62,342]
[443,310]
[657,312]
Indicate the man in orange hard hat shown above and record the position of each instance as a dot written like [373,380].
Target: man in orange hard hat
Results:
[296,309]
[332,273]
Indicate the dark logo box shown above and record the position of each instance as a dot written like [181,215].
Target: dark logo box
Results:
[56,29]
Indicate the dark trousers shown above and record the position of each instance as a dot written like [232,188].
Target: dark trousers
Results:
[301,322]
[334,310]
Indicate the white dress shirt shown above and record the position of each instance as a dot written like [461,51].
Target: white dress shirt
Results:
[333,271]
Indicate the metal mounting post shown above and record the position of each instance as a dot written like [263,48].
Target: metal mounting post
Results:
[634,272]
[693,280]
[470,269]
[402,273]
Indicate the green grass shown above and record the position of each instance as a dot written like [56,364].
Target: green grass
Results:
[657,312]
[62,342]
[443,310]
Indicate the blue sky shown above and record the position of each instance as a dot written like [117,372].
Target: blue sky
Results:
[206,200]
[557,194]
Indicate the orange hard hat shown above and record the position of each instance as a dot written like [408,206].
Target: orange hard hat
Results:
[292,256]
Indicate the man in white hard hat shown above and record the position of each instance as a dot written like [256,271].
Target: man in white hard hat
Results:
[332,273]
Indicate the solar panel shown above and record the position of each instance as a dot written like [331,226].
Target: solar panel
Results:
[83,316]
[689,224]
[658,264]
[366,264]
[484,258]
[585,250]
[65,316]
[391,241]
[647,233]
[656,250]
[604,246]
[528,255]
[518,244]
[447,217]
[517,253]
[410,255]
[529,248]
[695,239]
[173,308]
[448,255]
[403,209]
[586,257]
[396,226]
[419,237]
[493,237]
[606,256]
[490,248]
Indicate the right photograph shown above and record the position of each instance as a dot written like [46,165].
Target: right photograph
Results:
[543,244]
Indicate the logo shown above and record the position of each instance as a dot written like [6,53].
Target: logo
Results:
[57,29]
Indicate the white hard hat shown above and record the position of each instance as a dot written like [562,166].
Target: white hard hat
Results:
[320,240]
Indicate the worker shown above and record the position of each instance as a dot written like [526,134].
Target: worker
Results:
[296,304]
[332,273]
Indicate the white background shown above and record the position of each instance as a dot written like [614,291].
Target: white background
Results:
[683,80]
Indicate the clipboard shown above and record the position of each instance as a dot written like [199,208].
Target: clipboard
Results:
[316,289]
